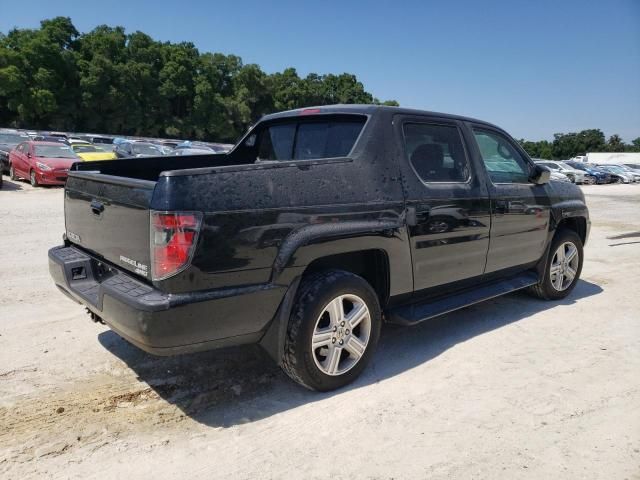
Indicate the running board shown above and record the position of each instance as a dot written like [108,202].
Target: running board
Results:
[419,312]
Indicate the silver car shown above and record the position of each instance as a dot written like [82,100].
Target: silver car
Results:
[627,177]
[631,171]
[575,175]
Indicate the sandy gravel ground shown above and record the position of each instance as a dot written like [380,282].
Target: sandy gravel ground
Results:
[513,388]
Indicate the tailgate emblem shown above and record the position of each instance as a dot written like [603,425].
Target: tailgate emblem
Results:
[74,236]
[140,268]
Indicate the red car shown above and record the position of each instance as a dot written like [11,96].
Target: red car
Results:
[43,163]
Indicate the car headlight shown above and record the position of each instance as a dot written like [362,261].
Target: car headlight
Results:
[42,166]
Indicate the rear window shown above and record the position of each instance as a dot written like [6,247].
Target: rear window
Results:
[309,140]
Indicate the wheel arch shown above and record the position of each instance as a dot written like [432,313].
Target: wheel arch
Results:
[377,250]
[577,224]
[370,264]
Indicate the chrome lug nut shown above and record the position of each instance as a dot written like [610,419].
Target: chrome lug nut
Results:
[333,340]
[341,342]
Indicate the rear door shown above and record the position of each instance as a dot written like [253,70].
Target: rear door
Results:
[447,203]
[520,209]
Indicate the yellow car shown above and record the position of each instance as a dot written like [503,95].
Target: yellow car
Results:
[90,153]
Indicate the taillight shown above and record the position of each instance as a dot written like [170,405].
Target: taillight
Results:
[173,241]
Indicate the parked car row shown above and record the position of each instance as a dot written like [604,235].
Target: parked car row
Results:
[589,173]
[44,158]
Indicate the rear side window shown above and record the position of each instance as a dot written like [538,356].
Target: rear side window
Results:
[436,152]
[309,140]
[276,142]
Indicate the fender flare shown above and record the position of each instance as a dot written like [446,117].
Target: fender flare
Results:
[327,231]
[272,341]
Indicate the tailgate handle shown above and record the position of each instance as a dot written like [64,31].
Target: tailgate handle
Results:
[97,207]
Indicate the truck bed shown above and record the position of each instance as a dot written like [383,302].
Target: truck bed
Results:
[150,168]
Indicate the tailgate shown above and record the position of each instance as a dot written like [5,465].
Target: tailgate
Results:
[109,216]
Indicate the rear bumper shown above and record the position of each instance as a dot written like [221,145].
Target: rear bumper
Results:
[162,323]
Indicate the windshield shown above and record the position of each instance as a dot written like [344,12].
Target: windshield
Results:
[614,169]
[54,151]
[146,149]
[552,166]
[12,138]
[86,149]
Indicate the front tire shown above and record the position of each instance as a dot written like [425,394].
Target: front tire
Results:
[33,180]
[564,265]
[12,173]
[333,330]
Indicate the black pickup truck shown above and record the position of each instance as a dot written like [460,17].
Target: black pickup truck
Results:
[319,225]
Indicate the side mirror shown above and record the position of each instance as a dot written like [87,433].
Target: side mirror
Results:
[540,175]
[29,154]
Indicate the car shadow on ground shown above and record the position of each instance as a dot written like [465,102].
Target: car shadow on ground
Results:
[227,387]
[10,185]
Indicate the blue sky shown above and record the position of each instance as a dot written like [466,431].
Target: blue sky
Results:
[532,67]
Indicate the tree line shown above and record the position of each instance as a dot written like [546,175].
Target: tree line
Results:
[568,145]
[109,81]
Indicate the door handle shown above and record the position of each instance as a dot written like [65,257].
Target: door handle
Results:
[97,207]
[411,216]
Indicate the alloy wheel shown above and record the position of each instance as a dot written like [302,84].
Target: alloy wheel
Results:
[564,266]
[341,334]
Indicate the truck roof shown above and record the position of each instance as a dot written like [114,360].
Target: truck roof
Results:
[365,109]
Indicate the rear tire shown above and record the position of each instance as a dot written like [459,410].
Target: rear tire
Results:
[12,173]
[563,268]
[33,180]
[333,330]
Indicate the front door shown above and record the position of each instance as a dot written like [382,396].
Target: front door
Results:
[447,203]
[520,208]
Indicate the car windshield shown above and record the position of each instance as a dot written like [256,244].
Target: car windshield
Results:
[565,165]
[86,149]
[614,169]
[146,149]
[54,151]
[12,138]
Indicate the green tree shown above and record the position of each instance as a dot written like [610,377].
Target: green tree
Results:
[109,81]
[615,144]
[38,76]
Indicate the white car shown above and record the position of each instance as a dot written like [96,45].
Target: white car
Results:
[575,175]
[560,177]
